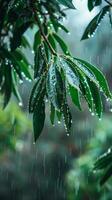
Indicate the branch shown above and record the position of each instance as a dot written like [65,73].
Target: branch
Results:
[41,29]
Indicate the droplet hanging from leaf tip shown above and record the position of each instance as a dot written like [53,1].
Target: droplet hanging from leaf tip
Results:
[20,104]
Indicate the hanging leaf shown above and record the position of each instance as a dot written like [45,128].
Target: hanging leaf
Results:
[17,35]
[97,99]
[110,17]
[67,3]
[59,115]
[52,42]
[37,40]
[107,175]
[93,3]
[76,65]
[93,25]
[70,74]
[85,89]
[74,93]
[37,93]
[66,114]
[62,44]
[52,114]
[104,160]
[38,119]
[99,76]
[54,87]
[40,61]
[90,4]
[14,87]
[7,84]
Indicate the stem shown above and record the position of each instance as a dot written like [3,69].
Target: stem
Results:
[41,29]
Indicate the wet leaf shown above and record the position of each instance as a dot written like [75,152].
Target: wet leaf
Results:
[62,44]
[52,114]
[93,25]
[74,93]
[54,87]
[38,119]
[99,76]
[67,3]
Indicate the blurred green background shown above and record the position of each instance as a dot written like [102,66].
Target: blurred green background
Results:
[59,167]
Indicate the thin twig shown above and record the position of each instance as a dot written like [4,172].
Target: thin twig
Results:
[41,29]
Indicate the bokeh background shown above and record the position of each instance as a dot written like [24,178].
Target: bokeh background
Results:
[59,167]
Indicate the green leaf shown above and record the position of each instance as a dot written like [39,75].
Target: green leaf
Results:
[85,89]
[96,98]
[17,35]
[7,84]
[99,76]
[38,119]
[62,44]
[103,161]
[37,93]
[74,93]
[54,87]
[15,88]
[37,40]
[52,114]
[52,42]
[66,115]
[67,3]
[59,115]
[39,61]
[25,70]
[90,4]
[76,65]
[24,42]
[107,175]
[110,17]
[70,74]
[93,3]
[93,25]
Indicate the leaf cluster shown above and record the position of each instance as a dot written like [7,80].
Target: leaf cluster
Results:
[57,74]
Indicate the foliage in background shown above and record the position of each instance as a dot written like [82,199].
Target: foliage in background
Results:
[81,180]
[56,74]
[13,123]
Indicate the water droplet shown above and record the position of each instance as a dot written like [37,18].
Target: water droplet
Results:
[59,122]
[59,28]
[89,35]
[92,114]
[69,33]
[110,109]
[68,134]
[20,104]
[107,99]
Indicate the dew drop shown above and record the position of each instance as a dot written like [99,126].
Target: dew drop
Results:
[92,114]
[68,134]
[32,52]
[59,28]
[20,104]
[69,33]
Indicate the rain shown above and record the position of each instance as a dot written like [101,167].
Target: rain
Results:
[60,164]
